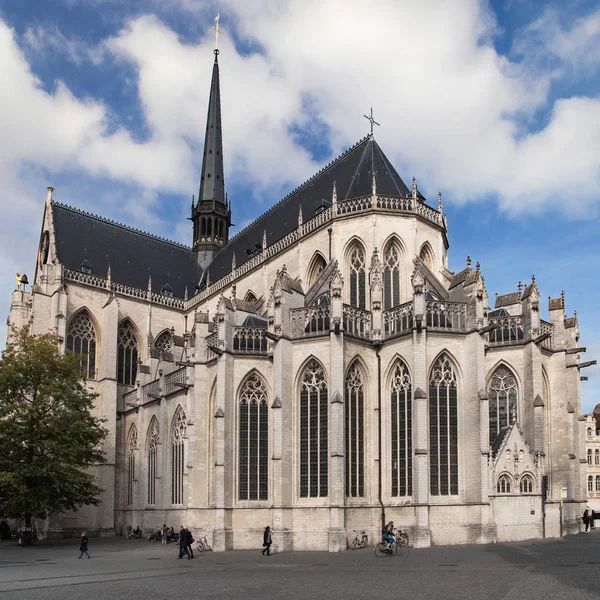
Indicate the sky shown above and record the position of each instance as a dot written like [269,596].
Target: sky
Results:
[494,103]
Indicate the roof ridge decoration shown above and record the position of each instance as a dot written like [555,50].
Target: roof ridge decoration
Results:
[298,188]
[121,225]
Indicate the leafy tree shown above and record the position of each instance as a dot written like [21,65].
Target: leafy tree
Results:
[48,435]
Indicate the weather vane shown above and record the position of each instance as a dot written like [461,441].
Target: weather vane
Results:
[371,120]
[217,32]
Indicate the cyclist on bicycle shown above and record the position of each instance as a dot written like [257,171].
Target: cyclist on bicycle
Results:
[388,534]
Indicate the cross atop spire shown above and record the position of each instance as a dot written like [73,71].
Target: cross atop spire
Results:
[371,120]
[217,32]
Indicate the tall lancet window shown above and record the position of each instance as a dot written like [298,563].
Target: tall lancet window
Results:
[355,433]
[356,268]
[443,428]
[127,354]
[391,276]
[81,340]
[401,409]
[132,444]
[178,456]
[254,441]
[153,441]
[314,420]
[502,400]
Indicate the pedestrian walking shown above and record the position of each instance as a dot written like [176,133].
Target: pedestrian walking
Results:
[164,534]
[183,543]
[83,546]
[267,541]
[190,541]
[586,519]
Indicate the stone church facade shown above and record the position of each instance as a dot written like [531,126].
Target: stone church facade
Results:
[319,372]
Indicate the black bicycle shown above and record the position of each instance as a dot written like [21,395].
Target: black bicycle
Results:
[359,542]
[202,545]
[400,546]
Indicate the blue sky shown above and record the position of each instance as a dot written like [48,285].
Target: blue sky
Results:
[496,104]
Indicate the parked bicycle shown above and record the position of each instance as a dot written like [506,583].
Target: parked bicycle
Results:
[400,546]
[202,544]
[359,542]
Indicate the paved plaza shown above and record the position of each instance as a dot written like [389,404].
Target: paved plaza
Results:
[549,570]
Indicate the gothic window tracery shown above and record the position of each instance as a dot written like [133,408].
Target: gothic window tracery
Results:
[401,423]
[526,484]
[426,256]
[177,456]
[132,444]
[502,395]
[153,441]
[253,441]
[504,484]
[314,420]
[164,342]
[391,276]
[127,354]
[443,428]
[317,266]
[81,340]
[356,268]
[355,433]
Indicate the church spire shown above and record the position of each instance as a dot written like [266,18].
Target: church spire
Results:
[212,186]
[211,215]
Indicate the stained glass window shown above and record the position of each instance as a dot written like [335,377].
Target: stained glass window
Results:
[502,400]
[254,441]
[355,433]
[132,444]
[503,484]
[443,428]
[81,340]
[526,484]
[391,276]
[153,440]
[314,420]
[127,354]
[401,423]
[177,456]
[357,277]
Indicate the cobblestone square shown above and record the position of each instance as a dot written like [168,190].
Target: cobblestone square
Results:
[548,569]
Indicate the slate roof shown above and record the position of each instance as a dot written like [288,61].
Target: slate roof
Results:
[352,172]
[508,299]
[133,255]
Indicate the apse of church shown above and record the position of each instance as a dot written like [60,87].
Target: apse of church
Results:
[320,371]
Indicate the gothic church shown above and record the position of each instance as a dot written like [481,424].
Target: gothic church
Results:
[320,371]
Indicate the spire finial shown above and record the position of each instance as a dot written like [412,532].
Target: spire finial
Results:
[374,185]
[49,195]
[217,32]
[334,193]
[185,293]
[477,267]
[300,221]
[468,262]
[264,242]
[233,262]
[439,202]
[414,188]
[108,277]
[371,120]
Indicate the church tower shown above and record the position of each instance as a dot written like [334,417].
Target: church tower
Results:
[211,215]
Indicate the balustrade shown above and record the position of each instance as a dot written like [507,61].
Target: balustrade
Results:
[446,315]
[130,398]
[509,330]
[357,321]
[212,341]
[249,339]
[309,320]
[175,381]
[150,391]
[546,327]
[398,319]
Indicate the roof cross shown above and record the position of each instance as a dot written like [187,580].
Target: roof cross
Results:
[217,32]
[371,120]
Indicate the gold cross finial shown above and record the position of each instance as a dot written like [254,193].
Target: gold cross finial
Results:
[217,32]
[371,120]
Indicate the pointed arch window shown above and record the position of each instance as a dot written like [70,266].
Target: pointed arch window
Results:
[132,444]
[356,268]
[317,266]
[250,296]
[254,441]
[127,354]
[314,421]
[178,456]
[355,433]
[502,400]
[153,441]
[164,342]
[426,256]
[526,484]
[589,456]
[391,276]
[401,422]
[81,340]
[504,484]
[443,428]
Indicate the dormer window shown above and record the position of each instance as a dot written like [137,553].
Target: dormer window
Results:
[85,267]
[167,290]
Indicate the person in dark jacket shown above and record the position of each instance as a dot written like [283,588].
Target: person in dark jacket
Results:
[183,542]
[267,541]
[83,547]
[586,519]
[190,541]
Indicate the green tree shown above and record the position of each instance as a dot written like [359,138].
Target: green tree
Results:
[48,435]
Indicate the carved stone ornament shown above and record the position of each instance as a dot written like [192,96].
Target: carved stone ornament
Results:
[336,398]
[376,272]
[276,402]
[336,284]
[219,414]
[418,281]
